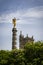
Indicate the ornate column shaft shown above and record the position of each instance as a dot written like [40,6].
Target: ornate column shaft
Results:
[14,38]
[14,34]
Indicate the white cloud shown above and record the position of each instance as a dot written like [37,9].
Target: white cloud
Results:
[35,14]
[23,15]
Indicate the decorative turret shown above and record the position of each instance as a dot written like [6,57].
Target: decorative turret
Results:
[23,40]
[14,34]
[21,37]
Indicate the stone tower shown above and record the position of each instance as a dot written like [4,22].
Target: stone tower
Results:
[21,37]
[23,40]
[14,30]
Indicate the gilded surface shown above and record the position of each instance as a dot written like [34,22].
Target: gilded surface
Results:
[14,22]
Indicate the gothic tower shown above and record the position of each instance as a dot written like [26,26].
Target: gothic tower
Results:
[14,30]
[21,37]
[23,40]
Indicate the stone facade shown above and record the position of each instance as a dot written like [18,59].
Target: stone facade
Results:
[14,38]
[23,40]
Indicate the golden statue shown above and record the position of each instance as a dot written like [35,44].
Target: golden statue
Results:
[14,21]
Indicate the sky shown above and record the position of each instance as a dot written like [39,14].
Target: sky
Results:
[30,15]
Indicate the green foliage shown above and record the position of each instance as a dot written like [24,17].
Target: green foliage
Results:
[32,54]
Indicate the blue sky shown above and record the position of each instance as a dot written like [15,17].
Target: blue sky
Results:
[30,13]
